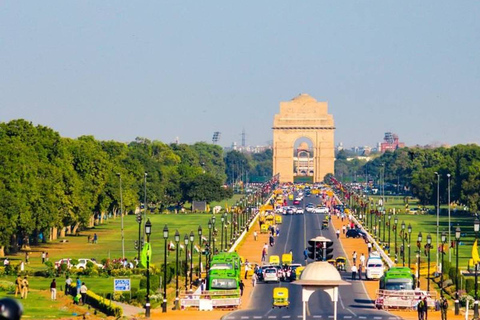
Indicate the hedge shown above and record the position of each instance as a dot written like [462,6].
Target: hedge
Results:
[104,305]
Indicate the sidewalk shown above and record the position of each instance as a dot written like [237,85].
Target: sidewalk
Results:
[350,245]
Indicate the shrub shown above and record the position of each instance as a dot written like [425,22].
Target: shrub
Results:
[141,295]
[74,262]
[121,272]
[154,282]
[104,305]
[446,268]
[463,300]
[49,264]
[2,271]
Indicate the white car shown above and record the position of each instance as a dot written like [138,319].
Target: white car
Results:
[82,264]
[299,211]
[321,210]
[270,275]
[310,209]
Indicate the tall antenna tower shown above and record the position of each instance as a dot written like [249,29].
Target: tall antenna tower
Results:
[216,137]
[243,138]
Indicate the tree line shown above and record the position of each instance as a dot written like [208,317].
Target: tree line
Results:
[50,183]
[415,169]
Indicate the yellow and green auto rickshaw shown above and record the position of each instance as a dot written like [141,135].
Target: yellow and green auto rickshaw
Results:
[274,260]
[264,228]
[287,258]
[278,219]
[340,263]
[325,224]
[280,297]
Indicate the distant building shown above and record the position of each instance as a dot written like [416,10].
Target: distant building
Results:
[390,143]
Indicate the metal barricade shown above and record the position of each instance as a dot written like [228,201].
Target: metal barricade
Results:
[403,299]
[219,299]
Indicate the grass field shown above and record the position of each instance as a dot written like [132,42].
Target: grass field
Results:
[427,224]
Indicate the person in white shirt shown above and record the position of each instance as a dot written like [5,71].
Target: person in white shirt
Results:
[362,260]
[354,272]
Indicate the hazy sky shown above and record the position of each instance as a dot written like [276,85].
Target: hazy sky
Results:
[165,69]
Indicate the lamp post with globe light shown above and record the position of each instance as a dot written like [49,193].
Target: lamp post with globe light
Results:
[165,237]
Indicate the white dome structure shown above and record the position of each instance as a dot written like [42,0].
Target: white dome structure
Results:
[321,274]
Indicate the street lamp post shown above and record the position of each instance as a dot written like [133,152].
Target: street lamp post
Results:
[200,253]
[214,233]
[403,243]
[476,228]
[409,229]
[165,237]
[395,221]
[384,218]
[192,238]
[177,241]
[209,257]
[139,247]
[429,243]
[419,245]
[148,231]
[444,239]
[449,223]
[458,233]
[389,226]
[231,226]
[438,214]
[185,241]
[121,216]
[221,238]
[144,198]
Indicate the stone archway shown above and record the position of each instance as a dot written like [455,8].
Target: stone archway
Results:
[303,117]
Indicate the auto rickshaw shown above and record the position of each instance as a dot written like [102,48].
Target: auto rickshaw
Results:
[278,219]
[274,260]
[287,258]
[264,228]
[331,261]
[280,297]
[325,224]
[340,263]
[298,271]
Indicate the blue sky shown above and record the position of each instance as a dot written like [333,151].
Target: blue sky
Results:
[164,69]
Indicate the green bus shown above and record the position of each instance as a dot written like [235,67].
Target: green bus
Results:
[398,278]
[227,261]
[222,279]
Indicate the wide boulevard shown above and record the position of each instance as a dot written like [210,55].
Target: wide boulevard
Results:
[295,231]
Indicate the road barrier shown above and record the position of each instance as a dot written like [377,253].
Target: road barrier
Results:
[403,299]
[207,300]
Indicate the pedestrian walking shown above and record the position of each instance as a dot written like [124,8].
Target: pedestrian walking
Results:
[241,285]
[95,238]
[79,285]
[24,292]
[362,259]
[83,292]
[344,229]
[420,309]
[265,246]
[425,308]
[338,233]
[354,257]
[27,257]
[305,254]
[43,257]
[53,290]
[444,308]
[255,235]
[46,255]
[247,269]
[272,241]
[277,231]
[68,283]
[369,246]
[360,269]
[354,272]
[18,286]
[254,279]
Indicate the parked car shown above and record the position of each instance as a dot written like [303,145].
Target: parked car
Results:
[63,261]
[82,264]
[321,210]
[299,211]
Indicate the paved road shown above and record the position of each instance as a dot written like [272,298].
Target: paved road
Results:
[353,302]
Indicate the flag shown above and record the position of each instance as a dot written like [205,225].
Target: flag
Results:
[196,248]
[146,252]
[475,257]
[181,247]
[171,246]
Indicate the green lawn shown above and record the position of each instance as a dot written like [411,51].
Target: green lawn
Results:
[427,224]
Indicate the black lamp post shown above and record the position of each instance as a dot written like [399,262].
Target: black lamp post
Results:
[444,239]
[192,238]
[476,228]
[389,227]
[139,247]
[148,232]
[231,226]
[185,240]
[395,221]
[177,241]
[209,257]
[214,233]
[384,219]
[200,252]
[403,243]
[225,216]
[165,237]
[458,233]
[419,254]
[221,238]
[409,229]
[429,243]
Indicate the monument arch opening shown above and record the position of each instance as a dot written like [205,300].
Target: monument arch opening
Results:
[303,119]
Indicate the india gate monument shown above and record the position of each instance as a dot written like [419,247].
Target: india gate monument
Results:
[303,119]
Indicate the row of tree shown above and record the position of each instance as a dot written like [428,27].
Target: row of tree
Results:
[50,183]
[417,168]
